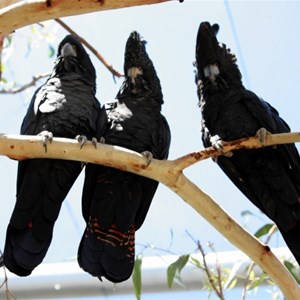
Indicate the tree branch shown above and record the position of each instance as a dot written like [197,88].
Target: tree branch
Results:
[272,231]
[217,289]
[26,12]
[90,47]
[22,88]
[22,13]
[4,3]
[245,143]
[167,172]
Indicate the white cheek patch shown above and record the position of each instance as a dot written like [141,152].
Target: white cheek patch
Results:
[133,73]
[211,71]
[118,116]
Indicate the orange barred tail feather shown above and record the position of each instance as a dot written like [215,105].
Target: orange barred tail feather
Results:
[107,252]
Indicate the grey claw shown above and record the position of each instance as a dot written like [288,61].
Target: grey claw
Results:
[228,154]
[149,156]
[82,139]
[94,142]
[217,144]
[47,137]
[262,134]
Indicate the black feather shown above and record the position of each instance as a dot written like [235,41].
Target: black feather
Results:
[66,106]
[270,176]
[114,202]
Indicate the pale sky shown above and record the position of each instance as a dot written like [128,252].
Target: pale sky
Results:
[265,37]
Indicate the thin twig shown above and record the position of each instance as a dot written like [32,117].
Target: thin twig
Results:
[22,88]
[209,275]
[272,230]
[218,268]
[35,79]
[90,47]
[8,293]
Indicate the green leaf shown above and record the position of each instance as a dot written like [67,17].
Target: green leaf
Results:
[232,283]
[51,51]
[257,281]
[196,262]
[8,41]
[245,213]
[33,28]
[293,270]
[137,276]
[181,262]
[3,80]
[252,276]
[175,268]
[171,272]
[263,230]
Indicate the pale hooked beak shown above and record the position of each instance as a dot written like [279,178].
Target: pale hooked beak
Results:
[68,50]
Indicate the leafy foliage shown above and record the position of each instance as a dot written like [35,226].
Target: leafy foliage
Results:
[293,270]
[265,229]
[175,269]
[36,35]
[137,276]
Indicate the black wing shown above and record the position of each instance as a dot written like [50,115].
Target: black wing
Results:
[66,106]
[115,202]
[149,186]
[269,176]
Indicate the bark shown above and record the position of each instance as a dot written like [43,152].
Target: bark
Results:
[16,14]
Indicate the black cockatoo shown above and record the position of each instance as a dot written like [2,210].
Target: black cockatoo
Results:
[65,106]
[114,202]
[270,176]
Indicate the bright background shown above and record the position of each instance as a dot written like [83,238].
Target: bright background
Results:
[264,35]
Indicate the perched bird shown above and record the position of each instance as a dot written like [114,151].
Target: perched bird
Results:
[115,202]
[269,176]
[65,106]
